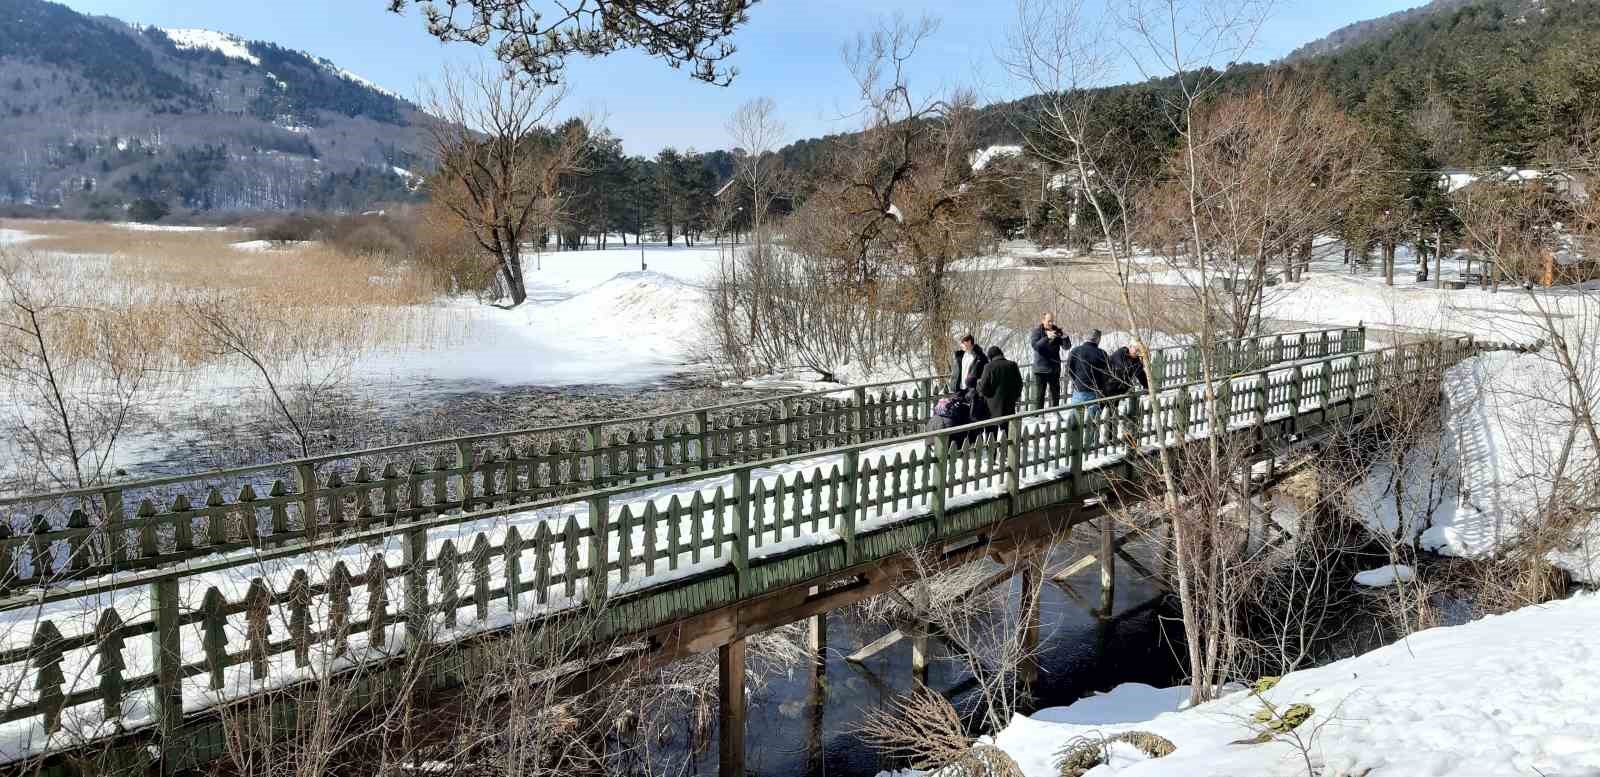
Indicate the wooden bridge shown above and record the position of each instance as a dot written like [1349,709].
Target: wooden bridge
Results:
[682,533]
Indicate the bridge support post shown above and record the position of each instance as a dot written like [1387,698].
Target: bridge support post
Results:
[1108,565]
[730,709]
[817,636]
[919,640]
[1028,613]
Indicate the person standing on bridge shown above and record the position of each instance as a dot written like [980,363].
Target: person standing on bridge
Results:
[1090,371]
[1049,343]
[968,367]
[1000,384]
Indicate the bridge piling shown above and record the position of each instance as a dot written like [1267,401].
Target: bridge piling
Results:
[1032,581]
[730,709]
[1108,566]
[919,640]
[817,636]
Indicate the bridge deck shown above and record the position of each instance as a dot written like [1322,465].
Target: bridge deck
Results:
[238,624]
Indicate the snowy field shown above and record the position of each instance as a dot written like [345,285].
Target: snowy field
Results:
[1506,696]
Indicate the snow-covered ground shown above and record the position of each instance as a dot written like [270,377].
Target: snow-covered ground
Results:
[1509,695]
[141,227]
[1508,415]
[15,236]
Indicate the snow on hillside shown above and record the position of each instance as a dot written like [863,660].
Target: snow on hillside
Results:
[1405,709]
[235,47]
[231,46]
[328,65]
[983,156]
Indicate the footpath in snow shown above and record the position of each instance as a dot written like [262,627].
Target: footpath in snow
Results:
[1510,695]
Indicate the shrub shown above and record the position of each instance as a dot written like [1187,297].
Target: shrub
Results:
[291,228]
[146,210]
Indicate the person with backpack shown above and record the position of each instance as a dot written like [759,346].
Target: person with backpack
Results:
[1089,370]
[1001,384]
[1048,343]
[1125,369]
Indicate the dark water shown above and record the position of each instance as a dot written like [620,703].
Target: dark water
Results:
[806,723]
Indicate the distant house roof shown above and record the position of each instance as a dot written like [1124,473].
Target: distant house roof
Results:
[1454,180]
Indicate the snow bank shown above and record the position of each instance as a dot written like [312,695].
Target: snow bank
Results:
[1386,576]
[1492,470]
[1508,695]
[636,327]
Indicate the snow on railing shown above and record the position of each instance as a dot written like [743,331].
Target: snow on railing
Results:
[82,533]
[89,659]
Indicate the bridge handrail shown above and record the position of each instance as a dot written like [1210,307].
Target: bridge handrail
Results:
[88,588]
[999,469]
[201,520]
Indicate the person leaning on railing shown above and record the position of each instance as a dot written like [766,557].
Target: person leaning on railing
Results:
[1125,371]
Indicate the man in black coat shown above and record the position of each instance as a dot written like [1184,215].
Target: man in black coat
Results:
[1126,372]
[1089,369]
[969,361]
[1048,343]
[1001,384]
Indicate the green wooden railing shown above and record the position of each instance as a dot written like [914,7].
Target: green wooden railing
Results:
[145,648]
[150,523]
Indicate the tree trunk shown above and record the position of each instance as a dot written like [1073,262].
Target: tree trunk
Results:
[1438,258]
[512,264]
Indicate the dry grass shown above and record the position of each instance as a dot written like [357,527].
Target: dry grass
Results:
[300,300]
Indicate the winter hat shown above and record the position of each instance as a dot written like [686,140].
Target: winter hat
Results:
[996,353]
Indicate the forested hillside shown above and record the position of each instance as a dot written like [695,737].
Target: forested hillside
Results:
[1457,82]
[99,114]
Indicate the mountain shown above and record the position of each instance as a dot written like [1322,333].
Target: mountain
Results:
[1368,29]
[98,113]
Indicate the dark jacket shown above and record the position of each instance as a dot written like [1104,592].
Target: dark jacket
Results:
[1089,370]
[1001,384]
[977,368]
[1126,373]
[1047,355]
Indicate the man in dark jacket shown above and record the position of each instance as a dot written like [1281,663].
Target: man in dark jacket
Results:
[1126,370]
[1049,343]
[1001,384]
[968,366]
[1088,368]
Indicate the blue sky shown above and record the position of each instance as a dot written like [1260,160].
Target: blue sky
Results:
[788,51]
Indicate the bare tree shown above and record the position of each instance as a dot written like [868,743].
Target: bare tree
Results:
[899,184]
[1271,168]
[756,130]
[500,162]
[1183,40]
